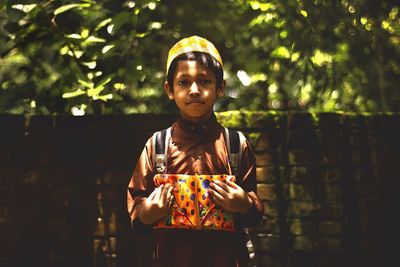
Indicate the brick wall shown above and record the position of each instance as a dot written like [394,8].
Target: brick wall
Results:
[63,187]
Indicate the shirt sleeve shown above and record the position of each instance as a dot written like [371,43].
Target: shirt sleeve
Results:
[140,186]
[247,180]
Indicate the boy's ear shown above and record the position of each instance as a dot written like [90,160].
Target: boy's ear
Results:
[221,90]
[169,91]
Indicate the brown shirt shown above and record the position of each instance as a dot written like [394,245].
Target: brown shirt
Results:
[196,149]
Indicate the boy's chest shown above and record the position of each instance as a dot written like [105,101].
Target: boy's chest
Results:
[198,157]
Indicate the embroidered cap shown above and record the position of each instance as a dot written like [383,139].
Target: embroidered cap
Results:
[193,44]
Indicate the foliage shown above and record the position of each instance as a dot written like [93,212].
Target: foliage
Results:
[108,57]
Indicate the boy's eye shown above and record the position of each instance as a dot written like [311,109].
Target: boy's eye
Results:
[205,81]
[183,82]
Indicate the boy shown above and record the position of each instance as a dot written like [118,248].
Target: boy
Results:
[197,146]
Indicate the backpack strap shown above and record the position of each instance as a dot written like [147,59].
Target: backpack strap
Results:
[234,144]
[160,149]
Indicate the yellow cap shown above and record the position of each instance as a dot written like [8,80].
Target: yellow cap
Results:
[193,44]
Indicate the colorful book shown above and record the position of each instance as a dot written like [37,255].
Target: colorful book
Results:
[192,207]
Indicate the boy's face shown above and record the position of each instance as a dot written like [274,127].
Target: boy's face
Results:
[194,90]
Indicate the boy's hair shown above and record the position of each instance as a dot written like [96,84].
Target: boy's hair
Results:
[205,59]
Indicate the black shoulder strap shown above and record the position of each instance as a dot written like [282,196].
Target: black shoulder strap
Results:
[234,140]
[160,149]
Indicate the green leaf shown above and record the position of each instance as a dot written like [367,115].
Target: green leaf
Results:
[85,33]
[120,19]
[25,8]
[107,48]
[65,8]
[75,53]
[321,58]
[74,36]
[106,80]
[103,97]
[73,94]
[91,65]
[281,52]
[85,84]
[94,39]
[141,35]
[100,87]
[103,23]
[261,6]
[64,50]
[95,91]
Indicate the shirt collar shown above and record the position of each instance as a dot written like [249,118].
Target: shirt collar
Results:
[197,128]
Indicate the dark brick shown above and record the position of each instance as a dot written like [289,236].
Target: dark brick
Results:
[263,159]
[265,174]
[302,226]
[329,192]
[267,242]
[330,227]
[266,191]
[330,243]
[6,193]
[305,243]
[304,208]
[269,225]
[304,192]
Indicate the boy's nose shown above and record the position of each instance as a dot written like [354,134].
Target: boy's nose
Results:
[194,89]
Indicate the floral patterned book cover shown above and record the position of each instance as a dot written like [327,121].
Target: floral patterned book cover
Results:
[192,207]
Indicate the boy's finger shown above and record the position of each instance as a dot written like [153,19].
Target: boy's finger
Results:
[232,184]
[175,189]
[165,193]
[216,187]
[222,185]
[218,199]
[216,195]
[158,193]
[170,200]
[218,202]
[151,196]
[171,191]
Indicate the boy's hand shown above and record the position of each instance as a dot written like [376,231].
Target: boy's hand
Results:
[230,196]
[156,204]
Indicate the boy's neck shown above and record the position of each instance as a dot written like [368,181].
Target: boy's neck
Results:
[198,121]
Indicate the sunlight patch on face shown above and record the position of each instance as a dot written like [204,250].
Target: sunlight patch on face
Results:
[193,73]
[192,68]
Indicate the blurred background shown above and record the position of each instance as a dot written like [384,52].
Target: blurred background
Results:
[108,57]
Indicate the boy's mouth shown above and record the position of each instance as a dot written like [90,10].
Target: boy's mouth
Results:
[195,102]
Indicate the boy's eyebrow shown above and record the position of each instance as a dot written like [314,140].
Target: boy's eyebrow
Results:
[180,75]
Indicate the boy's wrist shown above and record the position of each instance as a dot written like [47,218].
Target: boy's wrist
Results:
[249,204]
[144,219]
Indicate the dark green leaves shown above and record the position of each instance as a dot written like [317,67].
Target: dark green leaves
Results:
[284,55]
